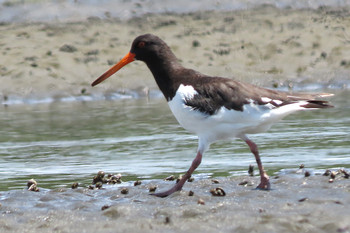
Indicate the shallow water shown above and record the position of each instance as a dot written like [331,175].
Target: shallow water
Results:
[62,142]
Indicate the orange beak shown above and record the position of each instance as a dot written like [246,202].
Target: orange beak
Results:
[130,57]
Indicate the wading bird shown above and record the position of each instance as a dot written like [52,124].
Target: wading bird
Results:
[213,108]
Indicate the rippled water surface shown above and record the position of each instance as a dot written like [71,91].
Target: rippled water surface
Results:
[62,142]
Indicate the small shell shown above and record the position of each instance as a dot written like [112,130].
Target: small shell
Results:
[217,192]
[31,182]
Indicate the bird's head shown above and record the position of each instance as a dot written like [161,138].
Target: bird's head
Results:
[147,48]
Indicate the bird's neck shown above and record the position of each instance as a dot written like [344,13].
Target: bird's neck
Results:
[166,72]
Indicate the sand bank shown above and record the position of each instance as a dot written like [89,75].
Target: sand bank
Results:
[266,46]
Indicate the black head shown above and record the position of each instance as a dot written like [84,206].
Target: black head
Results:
[148,48]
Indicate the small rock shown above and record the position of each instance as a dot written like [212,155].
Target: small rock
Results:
[170,178]
[200,201]
[307,174]
[190,193]
[68,48]
[137,182]
[75,185]
[124,191]
[327,172]
[244,182]
[98,185]
[303,199]
[167,220]
[100,174]
[346,174]
[333,174]
[301,166]
[196,43]
[251,170]
[215,181]
[105,207]
[152,188]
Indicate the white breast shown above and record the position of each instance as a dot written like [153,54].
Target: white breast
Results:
[225,123]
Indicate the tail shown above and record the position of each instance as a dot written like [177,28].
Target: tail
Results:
[317,104]
[311,102]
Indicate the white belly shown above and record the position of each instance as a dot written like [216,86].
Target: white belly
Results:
[224,123]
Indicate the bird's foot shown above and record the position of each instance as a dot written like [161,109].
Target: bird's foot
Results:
[264,183]
[162,194]
[168,192]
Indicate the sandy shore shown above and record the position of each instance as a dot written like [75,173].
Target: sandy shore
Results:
[295,204]
[266,46]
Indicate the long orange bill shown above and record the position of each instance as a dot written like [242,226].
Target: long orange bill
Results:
[130,57]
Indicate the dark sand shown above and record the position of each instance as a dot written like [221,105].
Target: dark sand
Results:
[295,204]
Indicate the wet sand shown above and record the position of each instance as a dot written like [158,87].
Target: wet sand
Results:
[266,46]
[295,204]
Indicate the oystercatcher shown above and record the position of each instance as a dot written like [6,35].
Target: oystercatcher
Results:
[214,108]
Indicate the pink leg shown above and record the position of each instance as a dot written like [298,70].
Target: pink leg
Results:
[178,185]
[264,178]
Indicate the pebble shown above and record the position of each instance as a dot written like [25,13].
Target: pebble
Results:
[200,201]
[333,174]
[327,172]
[251,170]
[105,207]
[137,182]
[75,185]
[98,185]
[68,48]
[215,181]
[170,178]
[152,188]
[190,193]
[124,191]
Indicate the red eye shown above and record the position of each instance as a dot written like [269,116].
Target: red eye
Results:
[141,44]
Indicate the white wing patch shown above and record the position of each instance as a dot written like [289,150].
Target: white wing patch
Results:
[265,99]
[270,102]
[278,102]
